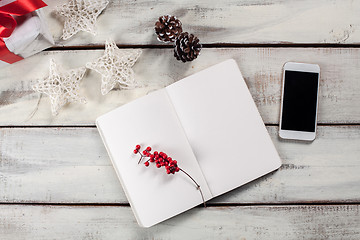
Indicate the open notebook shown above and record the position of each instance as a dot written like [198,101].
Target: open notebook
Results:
[208,122]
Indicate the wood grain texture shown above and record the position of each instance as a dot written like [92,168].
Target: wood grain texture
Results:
[70,165]
[233,21]
[259,222]
[261,67]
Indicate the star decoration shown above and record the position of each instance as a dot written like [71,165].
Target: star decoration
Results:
[61,86]
[80,15]
[115,67]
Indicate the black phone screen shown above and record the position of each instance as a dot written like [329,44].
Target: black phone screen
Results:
[299,101]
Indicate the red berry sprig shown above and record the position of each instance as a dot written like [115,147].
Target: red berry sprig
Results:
[161,159]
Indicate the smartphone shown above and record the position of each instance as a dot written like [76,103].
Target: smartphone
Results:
[299,105]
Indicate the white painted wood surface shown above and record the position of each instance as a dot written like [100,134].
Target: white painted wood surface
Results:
[231,21]
[113,223]
[339,99]
[70,165]
[58,183]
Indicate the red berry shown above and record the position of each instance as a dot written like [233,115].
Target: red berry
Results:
[164,156]
[177,169]
[158,165]
[174,162]
[156,153]
[137,147]
[152,160]
[146,164]
[168,171]
[144,152]
[169,159]
[135,151]
[148,149]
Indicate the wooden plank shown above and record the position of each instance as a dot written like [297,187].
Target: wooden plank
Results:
[256,222]
[156,68]
[234,21]
[70,165]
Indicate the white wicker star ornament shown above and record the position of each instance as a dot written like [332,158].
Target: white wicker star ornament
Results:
[80,15]
[61,86]
[115,67]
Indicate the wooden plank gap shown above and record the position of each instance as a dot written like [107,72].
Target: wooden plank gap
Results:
[94,126]
[211,45]
[208,204]
[66,204]
[47,126]
[312,203]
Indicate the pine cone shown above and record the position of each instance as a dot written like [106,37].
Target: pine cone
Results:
[168,28]
[187,47]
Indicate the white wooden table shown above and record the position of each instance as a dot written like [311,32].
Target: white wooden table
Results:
[57,182]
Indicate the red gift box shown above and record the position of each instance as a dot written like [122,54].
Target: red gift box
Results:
[10,12]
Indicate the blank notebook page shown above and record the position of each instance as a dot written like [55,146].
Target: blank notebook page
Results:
[153,194]
[224,127]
